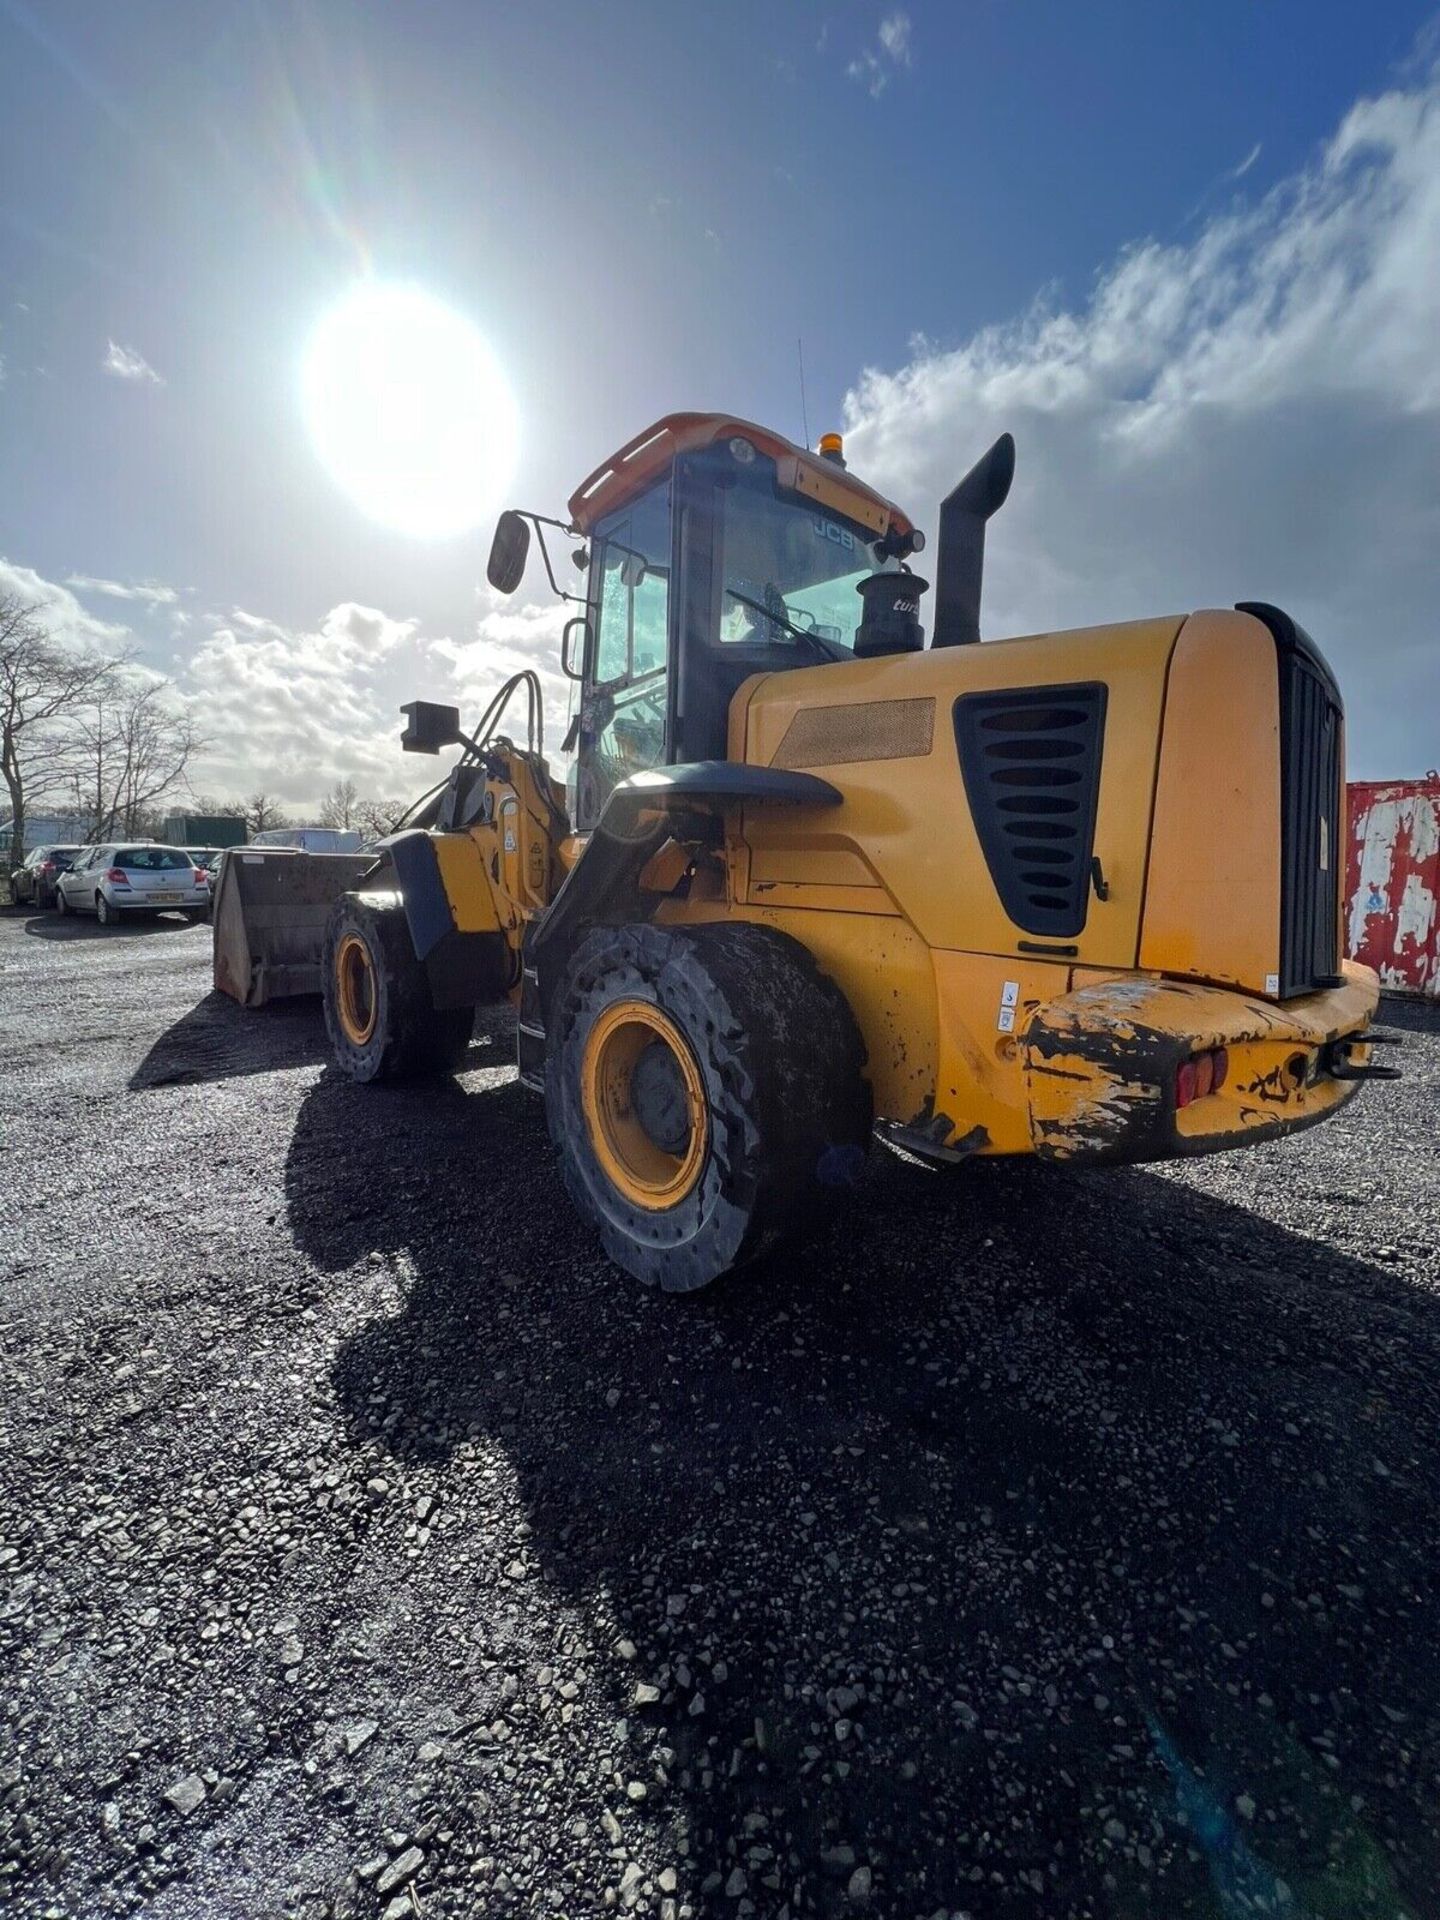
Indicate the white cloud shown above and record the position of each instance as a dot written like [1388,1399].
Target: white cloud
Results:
[1239,173]
[148,595]
[60,611]
[294,710]
[873,67]
[1254,414]
[508,639]
[895,37]
[126,364]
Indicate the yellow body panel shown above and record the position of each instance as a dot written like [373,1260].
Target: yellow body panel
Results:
[1212,905]
[467,886]
[980,1037]
[907,818]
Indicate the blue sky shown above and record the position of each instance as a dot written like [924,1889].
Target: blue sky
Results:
[1058,218]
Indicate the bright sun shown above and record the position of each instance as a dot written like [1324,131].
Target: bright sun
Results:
[409,411]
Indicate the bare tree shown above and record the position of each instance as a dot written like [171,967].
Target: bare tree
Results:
[129,749]
[225,807]
[42,682]
[262,812]
[376,818]
[338,807]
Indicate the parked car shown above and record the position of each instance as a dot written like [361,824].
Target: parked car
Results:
[207,862]
[310,839]
[128,877]
[33,883]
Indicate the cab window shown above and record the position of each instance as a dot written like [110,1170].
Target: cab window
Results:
[622,718]
[788,564]
[632,550]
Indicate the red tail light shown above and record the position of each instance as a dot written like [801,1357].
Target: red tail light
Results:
[198,876]
[1201,1074]
[118,877]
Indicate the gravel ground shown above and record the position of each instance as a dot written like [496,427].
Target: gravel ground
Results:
[1031,1544]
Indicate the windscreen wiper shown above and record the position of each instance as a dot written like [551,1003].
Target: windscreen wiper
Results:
[822,647]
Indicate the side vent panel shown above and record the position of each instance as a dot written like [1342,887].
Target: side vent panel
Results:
[1030,758]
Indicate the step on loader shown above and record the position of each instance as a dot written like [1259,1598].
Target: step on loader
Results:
[1075,895]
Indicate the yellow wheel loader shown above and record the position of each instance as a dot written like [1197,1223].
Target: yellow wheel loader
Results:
[1075,895]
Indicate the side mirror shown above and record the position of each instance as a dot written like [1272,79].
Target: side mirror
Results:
[567,665]
[509,551]
[429,727]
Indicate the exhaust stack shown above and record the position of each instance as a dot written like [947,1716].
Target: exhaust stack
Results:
[960,562]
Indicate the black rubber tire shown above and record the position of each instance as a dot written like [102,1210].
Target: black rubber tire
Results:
[411,1037]
[62,905]
[783,1068]
[104,912]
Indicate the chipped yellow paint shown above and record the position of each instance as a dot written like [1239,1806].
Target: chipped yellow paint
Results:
[462,872]
[1100,1064]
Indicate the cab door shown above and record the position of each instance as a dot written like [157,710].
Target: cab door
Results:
[624,697]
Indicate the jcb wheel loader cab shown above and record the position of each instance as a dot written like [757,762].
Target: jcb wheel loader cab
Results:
[705,1092]
[379,1010]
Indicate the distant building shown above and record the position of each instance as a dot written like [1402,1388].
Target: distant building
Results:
[203,830]
[45,830]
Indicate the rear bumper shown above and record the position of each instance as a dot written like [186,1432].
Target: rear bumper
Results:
[1100,1066]
[143,903]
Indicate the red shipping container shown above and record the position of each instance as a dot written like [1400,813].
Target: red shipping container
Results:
[1392,882]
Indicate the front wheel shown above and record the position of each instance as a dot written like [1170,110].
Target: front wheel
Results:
[62,905]
[705,1090]
[381,1019]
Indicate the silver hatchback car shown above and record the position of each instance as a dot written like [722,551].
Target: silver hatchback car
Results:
[141,877]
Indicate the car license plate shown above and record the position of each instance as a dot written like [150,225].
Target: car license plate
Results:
[165,896]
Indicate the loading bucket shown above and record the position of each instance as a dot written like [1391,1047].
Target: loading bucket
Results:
[270,915]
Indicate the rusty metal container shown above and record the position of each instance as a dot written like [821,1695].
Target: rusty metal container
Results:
[1392,882]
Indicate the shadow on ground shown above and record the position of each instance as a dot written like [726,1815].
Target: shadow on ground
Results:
[220,1040]
[44,925]
[1025,1540]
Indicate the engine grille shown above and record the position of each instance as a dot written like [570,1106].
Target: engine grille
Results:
[1311,725]
[1031,763]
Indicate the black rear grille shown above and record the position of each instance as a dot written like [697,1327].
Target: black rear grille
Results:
[1311,772]
[1031,763]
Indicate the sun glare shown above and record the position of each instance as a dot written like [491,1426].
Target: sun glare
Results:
[409,411]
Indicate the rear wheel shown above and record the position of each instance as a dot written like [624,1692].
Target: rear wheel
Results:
[381,1019]
[104,912]
[705,1090]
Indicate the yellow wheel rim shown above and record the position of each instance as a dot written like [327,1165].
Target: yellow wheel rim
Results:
[644,1105]
[356,1000]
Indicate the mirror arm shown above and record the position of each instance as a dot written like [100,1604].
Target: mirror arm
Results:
[540,521]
